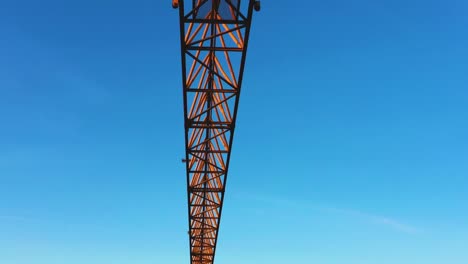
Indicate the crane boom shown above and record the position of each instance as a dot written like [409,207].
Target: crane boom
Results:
[214,35]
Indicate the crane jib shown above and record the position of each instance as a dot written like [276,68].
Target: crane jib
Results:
[214,35]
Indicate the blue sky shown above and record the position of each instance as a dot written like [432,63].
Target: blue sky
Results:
[351,144]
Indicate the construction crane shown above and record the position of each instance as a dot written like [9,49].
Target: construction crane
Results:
[214,35]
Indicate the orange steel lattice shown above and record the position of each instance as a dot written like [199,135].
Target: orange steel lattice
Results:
[214,36]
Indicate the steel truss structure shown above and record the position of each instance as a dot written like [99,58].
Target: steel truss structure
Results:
[214,36]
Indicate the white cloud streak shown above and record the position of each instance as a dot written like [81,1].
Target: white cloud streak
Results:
[292,204]
[378,219]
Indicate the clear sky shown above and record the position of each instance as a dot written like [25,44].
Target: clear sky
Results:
[351,144]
